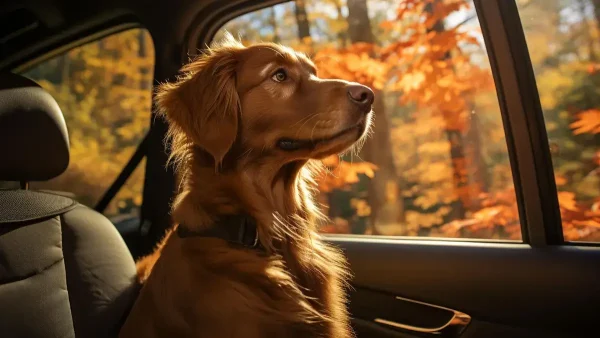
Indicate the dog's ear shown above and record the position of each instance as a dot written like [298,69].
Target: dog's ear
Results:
[204,103]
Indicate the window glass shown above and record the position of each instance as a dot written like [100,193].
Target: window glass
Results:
[104,89]
[437,162]
[565,52]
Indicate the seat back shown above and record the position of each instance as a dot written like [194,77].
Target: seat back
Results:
[64,269]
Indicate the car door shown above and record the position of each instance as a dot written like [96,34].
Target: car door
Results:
[450,215]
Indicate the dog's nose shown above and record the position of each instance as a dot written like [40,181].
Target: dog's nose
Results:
[361,95]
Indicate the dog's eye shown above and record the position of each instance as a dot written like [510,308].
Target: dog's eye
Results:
[280,75]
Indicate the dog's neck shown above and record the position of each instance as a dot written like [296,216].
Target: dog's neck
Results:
[276,196]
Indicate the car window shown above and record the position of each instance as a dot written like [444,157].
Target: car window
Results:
[565,53]
[436,164]
[104,89]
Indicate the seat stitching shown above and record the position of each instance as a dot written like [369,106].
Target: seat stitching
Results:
[29,275]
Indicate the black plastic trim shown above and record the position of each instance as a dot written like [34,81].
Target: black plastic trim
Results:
[526,135]
[131,165]
[212,18]
[54,44]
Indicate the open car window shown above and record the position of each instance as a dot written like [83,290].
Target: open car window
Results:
[436,164]
[104,89]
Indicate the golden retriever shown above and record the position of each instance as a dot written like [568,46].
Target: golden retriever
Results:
[245,126]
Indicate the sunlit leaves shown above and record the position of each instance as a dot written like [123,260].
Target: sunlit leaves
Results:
[340,174]
[355,63]
[588,121]
[498,214]
[579,220]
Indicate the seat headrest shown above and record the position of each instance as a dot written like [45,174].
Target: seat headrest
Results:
[34,144]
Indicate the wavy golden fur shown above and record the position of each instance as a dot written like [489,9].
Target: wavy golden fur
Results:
[246,125]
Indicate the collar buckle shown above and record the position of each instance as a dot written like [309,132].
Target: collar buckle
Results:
[248,233]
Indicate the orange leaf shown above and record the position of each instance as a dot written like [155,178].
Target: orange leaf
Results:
[387,25]
[593,68]
[588,121]
[560,180]
[566,199]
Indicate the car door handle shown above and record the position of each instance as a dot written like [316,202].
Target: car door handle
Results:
[453,327]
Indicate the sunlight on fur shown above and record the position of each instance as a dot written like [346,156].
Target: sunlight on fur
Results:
[247,128]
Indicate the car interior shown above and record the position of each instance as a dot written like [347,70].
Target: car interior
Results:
[68,270]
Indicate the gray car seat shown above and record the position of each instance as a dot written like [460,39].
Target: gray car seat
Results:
[64,269]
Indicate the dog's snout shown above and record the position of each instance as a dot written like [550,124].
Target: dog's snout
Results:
[361,95]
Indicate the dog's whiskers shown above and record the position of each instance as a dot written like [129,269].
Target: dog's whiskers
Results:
[312,132]
[305,122]
[245,154]
[305,118]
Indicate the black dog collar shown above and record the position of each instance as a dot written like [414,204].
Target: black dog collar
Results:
[235,229]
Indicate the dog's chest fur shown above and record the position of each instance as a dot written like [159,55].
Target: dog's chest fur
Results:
[203,288]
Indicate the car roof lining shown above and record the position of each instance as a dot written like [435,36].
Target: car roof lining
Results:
[42,27]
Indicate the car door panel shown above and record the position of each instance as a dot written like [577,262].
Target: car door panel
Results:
[501,286]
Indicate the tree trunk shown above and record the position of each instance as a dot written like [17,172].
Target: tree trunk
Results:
[273,22]
[302,20]
[359,24]
[457,144]
[385,199]
[142,54]
[475,164]
[591,42]
[596,4]
[65,74]
[342,35]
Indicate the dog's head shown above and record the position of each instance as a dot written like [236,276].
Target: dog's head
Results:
[264,101]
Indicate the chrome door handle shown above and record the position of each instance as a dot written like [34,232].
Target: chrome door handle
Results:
[457,323]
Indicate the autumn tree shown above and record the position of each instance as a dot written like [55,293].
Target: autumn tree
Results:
[273,22]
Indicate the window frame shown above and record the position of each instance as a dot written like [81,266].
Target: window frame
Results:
[22,63]
[141,150]
[211,18]
[524,126]
[520,108]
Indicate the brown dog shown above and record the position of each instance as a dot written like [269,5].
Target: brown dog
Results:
[245,125]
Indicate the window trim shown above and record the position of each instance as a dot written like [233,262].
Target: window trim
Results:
[524,126]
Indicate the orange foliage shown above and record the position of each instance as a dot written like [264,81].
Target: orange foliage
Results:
[358,63]
[593,68]
[342,173]
[435,72]
[432,69]
[497,211]
[588,121]
[580,222]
